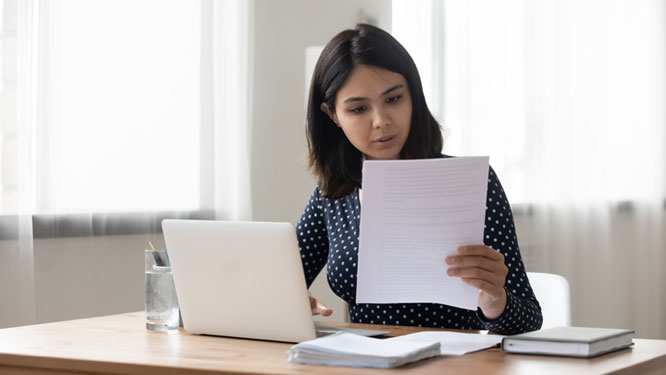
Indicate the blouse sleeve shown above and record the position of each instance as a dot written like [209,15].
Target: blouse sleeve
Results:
[312,238]
[522,312]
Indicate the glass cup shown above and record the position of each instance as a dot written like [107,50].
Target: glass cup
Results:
[162,312]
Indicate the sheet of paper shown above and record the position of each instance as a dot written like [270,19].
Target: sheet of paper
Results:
[414,214]
[453,343]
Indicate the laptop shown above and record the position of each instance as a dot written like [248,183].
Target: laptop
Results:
[242,279]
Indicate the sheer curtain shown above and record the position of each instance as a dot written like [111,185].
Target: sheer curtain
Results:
[232,62]
[119,114]
[567,99]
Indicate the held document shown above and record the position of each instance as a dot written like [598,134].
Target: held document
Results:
[414,214]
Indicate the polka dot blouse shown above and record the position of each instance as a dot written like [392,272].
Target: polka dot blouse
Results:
[328,231]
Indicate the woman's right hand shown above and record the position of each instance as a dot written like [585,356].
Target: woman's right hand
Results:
[318,307]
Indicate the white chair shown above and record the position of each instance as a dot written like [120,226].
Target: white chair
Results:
[552,292]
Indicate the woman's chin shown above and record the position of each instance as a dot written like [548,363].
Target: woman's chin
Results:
[383,156]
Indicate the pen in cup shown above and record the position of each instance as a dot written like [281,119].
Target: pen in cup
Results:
[158,259]
[162,313]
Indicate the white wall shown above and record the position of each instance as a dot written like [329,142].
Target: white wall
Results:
[281,183]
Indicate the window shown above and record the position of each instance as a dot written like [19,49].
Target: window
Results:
[565,97]
[117,106]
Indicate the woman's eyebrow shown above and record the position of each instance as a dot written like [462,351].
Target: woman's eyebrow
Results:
[398,86]
[360,98]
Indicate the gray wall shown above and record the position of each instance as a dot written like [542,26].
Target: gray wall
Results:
[281,183]
[78,277]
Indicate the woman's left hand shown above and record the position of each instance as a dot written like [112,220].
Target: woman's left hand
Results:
[483,268]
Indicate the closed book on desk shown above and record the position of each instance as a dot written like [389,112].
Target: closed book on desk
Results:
[569,341]
[347,349]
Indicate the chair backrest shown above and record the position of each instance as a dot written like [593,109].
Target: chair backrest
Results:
[552,291]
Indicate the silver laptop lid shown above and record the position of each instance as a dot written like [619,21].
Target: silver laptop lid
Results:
[239,279]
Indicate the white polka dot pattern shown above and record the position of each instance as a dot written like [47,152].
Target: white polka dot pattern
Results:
[328,231]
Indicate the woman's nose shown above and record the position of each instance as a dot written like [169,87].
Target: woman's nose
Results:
[380,118]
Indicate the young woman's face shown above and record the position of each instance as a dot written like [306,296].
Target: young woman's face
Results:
[374,110]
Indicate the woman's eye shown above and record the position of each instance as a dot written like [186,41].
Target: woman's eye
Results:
[357,109]
[393,99]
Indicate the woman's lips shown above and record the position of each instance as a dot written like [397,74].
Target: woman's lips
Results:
[385,142]
[385,139]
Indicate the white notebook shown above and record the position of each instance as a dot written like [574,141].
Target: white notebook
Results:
[569,341]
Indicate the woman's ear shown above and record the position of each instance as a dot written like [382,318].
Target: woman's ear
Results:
[324,107]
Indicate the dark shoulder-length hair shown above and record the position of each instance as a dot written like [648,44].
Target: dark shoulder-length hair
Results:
[333,159]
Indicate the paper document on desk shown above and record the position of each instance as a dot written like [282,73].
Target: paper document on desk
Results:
[414,214]
[347,349]
[453,343]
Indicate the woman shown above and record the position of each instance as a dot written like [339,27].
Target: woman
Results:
[366,102]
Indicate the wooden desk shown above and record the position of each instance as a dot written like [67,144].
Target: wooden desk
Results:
[120,344]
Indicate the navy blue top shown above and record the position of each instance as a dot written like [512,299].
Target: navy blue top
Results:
[328,231]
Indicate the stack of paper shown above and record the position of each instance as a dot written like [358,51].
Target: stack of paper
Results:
[347,349]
